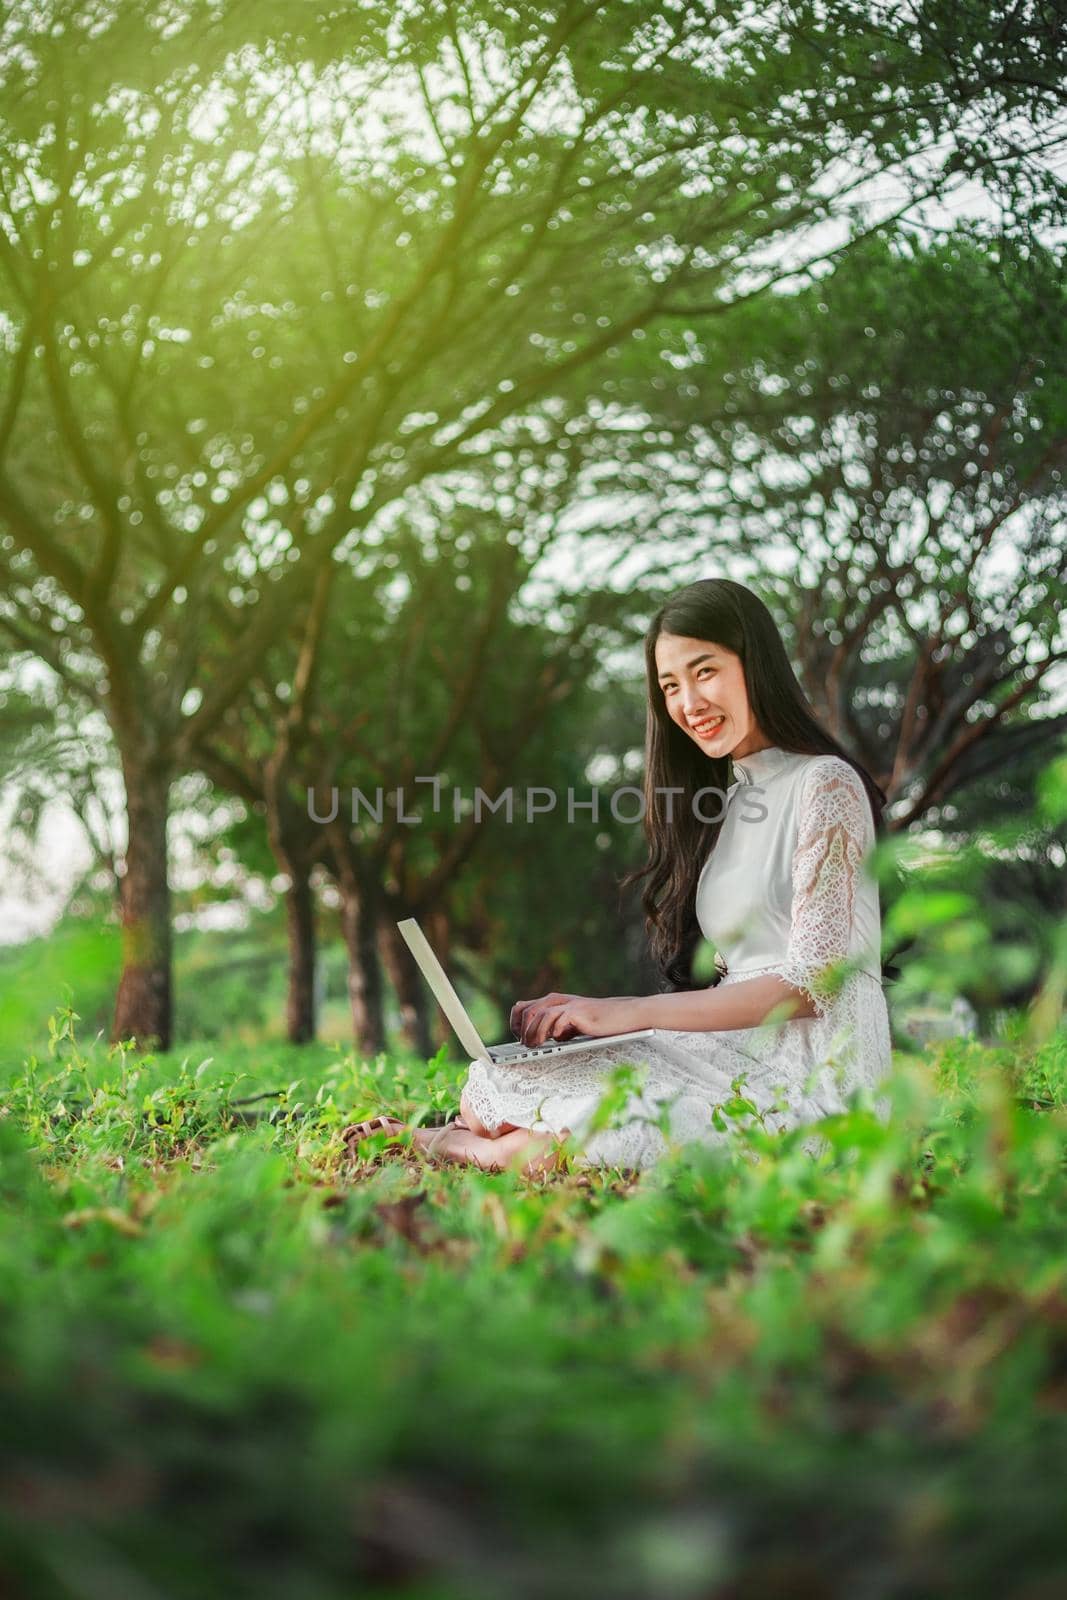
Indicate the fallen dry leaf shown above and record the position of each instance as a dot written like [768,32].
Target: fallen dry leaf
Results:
[119,1220]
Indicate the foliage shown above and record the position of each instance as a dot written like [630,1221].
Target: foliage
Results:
[744,1369]
[272,274]
[965,932]
[77,958]
[891,437]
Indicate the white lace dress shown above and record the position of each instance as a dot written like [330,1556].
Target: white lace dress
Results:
[785,890]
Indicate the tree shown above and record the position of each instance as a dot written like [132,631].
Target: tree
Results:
[893,460]
[248,274]
[422,679]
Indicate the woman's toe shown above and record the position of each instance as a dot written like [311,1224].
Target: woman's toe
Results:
[371,1126]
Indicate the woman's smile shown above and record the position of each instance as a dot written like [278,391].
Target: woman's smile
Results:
[708,728]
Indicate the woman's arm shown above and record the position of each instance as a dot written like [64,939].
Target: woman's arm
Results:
[744,1004]
[734,1005]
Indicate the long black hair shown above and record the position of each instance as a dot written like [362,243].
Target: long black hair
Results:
[724,613]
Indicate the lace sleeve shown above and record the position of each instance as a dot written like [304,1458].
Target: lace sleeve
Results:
[835,832]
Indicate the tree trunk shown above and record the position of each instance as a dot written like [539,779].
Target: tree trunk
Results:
[290,843]
[410,989]
[143,1006]
[300,924]
[359,925]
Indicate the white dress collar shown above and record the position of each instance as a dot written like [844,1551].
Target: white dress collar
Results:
[762,764]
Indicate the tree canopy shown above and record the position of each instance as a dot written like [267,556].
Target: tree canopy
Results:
[265,271]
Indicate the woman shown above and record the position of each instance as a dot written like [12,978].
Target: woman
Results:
[758,824]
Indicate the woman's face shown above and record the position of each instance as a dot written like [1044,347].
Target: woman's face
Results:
[703,686]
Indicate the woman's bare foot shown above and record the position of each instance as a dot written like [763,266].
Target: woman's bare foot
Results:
[518,1148]
[531,1153]
[393,1127]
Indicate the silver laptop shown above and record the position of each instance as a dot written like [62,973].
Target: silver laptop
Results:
[467,1033]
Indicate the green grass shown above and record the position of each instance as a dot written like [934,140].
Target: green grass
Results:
[229,986]
[234,1361]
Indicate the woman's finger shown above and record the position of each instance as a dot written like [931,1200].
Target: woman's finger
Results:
[531,1019]
[544,1024]
[528,1023]
[520,1010]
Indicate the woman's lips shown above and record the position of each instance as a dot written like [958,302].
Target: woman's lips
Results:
[704,730]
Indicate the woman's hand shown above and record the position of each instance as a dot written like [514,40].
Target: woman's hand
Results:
[521,1007]
[561,1016]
